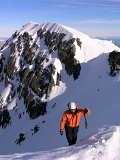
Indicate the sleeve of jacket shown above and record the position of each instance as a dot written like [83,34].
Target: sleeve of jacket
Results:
[62,122]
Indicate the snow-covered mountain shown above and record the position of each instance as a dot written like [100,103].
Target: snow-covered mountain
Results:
[42,68]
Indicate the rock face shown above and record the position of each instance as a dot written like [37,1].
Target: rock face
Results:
[114,62]
[27,64]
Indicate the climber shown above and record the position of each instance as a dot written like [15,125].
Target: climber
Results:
[71,120]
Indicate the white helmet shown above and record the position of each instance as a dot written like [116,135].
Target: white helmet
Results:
[72,105]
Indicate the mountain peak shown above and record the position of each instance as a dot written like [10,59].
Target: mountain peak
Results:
[40,72]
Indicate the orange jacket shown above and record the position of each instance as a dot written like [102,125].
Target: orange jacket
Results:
[72,120]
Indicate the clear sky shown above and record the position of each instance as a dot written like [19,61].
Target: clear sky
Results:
[93,17]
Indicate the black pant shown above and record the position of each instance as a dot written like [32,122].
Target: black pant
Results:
[71,134]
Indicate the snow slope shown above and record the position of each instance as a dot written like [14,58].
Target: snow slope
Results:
[94,89]
[104,145]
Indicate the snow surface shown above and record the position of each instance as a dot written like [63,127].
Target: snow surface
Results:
[94,89]
[104,145]
[5,93]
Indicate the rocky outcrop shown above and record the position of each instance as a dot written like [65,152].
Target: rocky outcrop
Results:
[114,62]
[24,65]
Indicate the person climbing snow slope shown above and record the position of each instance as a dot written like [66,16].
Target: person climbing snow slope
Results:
[71,120]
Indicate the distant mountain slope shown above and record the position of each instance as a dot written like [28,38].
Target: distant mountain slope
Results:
[2,41]
[42,68]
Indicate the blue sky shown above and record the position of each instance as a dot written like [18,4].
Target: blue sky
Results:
[92,17]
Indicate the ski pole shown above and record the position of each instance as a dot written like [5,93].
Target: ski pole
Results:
[86,124]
